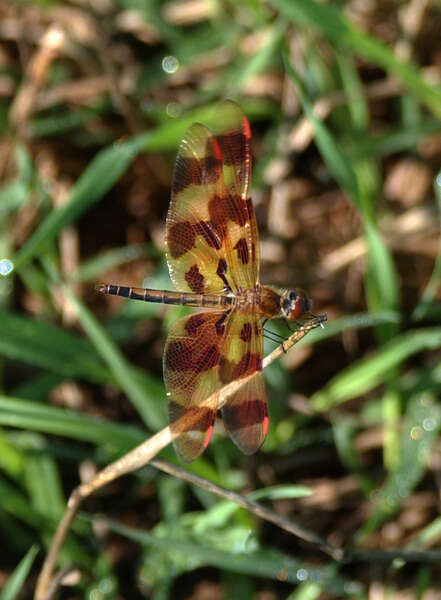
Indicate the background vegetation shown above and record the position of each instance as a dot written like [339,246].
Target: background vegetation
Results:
[344,101]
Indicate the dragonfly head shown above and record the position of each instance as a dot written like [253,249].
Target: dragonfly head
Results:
[294,304]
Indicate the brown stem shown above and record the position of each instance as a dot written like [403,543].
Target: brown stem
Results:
[253,507]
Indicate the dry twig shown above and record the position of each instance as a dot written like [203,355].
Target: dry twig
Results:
[143,454]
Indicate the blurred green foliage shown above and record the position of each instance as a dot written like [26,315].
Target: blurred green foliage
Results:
[391,383]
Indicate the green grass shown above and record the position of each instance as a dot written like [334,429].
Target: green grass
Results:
[369,382]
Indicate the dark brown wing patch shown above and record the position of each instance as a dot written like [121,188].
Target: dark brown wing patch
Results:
[244,415]
[191,376]
[195,279]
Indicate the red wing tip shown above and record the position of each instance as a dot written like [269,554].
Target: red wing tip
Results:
[217,150]
[208,436]
[246,127]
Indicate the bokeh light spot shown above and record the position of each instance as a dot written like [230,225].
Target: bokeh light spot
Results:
[416,432]
[302,574]
[429,424]
[170,64]
[6,266]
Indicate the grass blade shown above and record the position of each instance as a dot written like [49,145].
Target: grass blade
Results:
[50,348]
[366,374]
[12,587]
[104,170]
[146,393]
[329,20]
[422,425]
[23,414]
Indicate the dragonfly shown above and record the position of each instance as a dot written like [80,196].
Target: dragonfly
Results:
[212,251]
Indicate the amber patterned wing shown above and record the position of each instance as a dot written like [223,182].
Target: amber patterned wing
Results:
[191,375]
[203,352]
[245,414]
[212,247]
[211,233]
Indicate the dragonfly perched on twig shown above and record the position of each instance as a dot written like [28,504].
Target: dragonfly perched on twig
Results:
[212,249]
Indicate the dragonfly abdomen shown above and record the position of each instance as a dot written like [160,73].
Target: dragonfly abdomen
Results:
[165,296]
